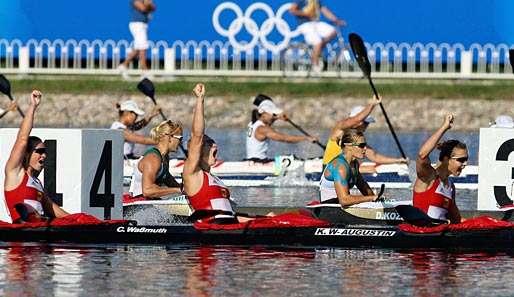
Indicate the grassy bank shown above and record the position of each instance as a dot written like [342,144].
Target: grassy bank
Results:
[436,89]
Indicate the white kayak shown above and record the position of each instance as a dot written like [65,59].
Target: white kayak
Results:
[288,171]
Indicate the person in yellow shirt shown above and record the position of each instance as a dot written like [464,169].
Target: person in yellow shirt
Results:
[359,119]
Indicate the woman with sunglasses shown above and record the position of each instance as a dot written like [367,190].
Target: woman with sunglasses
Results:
[433,191]
[342,173]
[24,193]
[152,178]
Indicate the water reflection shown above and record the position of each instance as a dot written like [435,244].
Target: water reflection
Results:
[37,270]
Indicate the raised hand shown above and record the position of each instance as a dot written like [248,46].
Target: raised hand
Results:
[448,121]
[36,97]
[199,90]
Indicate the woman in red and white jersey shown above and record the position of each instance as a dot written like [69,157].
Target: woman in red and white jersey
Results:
[204,190]
[433,192]
[24,193]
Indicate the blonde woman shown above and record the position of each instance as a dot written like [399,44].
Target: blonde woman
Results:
[151,178]
[342,173]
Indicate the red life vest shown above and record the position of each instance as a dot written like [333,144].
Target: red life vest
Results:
[436,200]
[30,192]
[212,195]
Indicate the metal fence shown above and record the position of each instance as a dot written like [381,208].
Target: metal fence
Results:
[218,58]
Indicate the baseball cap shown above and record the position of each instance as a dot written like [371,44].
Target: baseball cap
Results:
[357,109]
[130,105]
[503,121]
[269,107]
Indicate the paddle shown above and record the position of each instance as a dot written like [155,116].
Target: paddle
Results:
[305,133]
[381,192]
[147,87]
[417,217]
[5,88]
[511,59]
[361,55]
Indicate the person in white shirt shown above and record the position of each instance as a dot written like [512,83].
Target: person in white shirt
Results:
[260,131]
[128,111]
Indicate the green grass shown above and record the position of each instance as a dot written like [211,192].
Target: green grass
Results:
[244,87]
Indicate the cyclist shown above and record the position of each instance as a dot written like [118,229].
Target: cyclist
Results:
[315,32]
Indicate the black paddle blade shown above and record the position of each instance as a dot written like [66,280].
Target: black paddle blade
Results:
[511,59]
[146,87]
[381,192]
[361,53]
[5,86]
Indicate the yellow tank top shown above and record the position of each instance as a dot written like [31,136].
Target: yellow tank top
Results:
[332,151]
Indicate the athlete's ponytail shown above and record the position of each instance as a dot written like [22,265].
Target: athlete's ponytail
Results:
[446,148]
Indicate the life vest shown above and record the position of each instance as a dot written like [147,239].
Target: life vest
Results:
[331,152]
[213,195]
[30,192]
[436,200]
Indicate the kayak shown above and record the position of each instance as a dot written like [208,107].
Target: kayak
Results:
[293,172]
[288,230]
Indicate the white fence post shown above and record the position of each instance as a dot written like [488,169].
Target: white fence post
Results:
[466,63]
[169,59]
[24,59]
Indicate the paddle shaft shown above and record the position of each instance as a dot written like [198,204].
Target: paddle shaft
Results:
[164,118]
[387,119]
[17,107]
[305,133]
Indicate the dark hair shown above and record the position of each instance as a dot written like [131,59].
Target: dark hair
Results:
[31,146]
[120,112]
[348,136]
[448,146]
[207,140]
[259,98]
[255,115]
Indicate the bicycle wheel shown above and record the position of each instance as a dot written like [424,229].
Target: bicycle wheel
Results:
[295,60]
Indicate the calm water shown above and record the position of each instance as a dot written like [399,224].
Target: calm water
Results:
[47,270]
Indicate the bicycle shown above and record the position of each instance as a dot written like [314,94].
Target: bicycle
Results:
[295,59]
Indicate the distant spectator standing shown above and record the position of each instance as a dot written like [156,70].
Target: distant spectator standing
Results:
[140,14]
[315,32]
[12,107]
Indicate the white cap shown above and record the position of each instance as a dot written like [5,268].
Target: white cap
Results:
[130,105]
[357,109]
[269,107]
[503,121]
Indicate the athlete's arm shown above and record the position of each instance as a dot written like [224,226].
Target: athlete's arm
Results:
[425,172]
[364,187]
[149,166]
[135,138]
[355,120]
[453,211]
[264,132]
[14,164]
[343,192]
[377,158]
[52,209]
[191,165]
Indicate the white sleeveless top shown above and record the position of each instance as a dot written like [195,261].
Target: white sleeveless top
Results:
[255,148]
[128,147]
[136,183]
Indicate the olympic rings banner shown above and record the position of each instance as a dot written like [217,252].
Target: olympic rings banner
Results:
[267,23]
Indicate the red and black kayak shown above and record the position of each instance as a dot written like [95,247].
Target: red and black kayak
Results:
[292,230]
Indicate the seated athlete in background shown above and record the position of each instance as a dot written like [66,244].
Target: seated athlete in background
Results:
[342,173]
[433,191]
[24,194]
[151,178]
[260,131]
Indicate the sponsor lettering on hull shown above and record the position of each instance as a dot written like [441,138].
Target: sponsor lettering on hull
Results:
[389,216]
[353,232]
[140,230]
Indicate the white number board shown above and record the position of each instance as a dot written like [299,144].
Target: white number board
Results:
[83,169]
[496,168]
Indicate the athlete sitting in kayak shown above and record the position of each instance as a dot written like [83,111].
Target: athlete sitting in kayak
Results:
[260,131]
[342,173]
[433,192]
[152,178]
[128,111]
[24,193]
[359,119]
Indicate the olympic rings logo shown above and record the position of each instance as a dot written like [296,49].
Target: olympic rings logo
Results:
[259,34]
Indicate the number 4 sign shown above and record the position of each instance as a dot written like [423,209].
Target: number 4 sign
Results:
[83,170]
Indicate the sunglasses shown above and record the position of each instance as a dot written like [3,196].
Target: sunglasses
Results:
[41,150]
[461,159]
[360,145]
[179,137]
